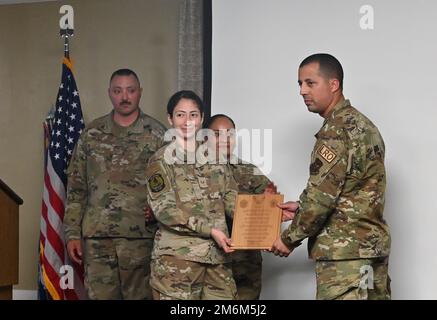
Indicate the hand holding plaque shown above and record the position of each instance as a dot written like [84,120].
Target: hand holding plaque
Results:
[257,221]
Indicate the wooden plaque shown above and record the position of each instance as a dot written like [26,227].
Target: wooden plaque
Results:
[257,221]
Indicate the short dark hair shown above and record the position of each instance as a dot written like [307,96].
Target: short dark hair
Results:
[183,94]
[215,117]
[124,72]
[329,66]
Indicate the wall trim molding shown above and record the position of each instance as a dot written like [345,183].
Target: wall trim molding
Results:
[24,294]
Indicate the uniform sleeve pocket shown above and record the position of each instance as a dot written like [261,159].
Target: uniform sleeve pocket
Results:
[325,157]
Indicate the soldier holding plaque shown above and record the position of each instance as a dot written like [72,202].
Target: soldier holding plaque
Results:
[341,209]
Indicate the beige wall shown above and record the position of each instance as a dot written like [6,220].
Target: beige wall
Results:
[109,34]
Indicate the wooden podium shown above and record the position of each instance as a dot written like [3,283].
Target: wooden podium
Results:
[9,203]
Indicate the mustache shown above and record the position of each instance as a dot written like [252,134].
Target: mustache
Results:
[125,102]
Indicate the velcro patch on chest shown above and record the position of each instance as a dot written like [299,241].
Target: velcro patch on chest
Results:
[326,153]
[202,182]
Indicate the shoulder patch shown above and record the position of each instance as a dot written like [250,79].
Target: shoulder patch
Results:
[157,180]
[326,153]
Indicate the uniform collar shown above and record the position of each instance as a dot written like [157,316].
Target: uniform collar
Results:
[343,103]
[183,156]
[110,126]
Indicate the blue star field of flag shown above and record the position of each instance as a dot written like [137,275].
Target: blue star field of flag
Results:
[67,124]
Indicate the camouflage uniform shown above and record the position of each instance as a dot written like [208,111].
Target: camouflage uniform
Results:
[188,200]
[356,279]
[247,264]
[105,205]
[341,209]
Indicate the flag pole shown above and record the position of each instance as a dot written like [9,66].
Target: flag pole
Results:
[66,34]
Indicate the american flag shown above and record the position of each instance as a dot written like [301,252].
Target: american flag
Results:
[63,132]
